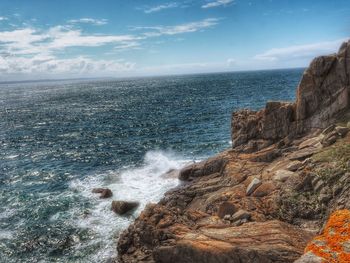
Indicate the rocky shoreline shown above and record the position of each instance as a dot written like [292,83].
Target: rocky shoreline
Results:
[267,198]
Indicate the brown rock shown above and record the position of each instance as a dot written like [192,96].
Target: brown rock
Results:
[264,189]
[122,207]
[226,208]
[207,167]
[252,242]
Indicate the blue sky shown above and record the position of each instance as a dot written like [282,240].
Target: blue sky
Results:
[121,38]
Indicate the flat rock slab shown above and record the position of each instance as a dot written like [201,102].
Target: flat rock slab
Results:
[272,241]
[303,154]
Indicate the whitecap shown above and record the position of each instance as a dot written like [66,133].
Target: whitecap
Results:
[144,183]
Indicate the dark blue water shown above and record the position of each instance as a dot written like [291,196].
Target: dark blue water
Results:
[60,139]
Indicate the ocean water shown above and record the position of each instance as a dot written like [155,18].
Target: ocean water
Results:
[60,139]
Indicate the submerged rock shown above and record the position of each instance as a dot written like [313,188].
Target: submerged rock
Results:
[104,192]
[122,207]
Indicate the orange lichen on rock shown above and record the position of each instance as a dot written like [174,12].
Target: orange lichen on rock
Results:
[331,246]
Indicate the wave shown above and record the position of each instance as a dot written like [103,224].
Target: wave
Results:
[145,183]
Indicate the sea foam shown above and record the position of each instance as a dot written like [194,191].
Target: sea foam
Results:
[144,183]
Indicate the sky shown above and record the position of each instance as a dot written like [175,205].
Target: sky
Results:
[42,39]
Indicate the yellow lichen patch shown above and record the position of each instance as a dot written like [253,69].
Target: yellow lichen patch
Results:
[336,235]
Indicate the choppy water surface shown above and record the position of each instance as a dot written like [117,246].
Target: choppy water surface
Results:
[60,139]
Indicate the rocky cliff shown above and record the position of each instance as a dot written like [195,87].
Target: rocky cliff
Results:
[322,95]
[269,196]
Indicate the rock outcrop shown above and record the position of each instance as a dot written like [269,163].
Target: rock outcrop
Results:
[323,93]
[265,199]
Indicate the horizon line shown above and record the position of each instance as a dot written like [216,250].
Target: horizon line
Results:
[140,76]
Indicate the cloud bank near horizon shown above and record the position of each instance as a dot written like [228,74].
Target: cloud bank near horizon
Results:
[164,37]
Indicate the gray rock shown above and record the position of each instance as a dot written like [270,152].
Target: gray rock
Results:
[346,246]
[319,185]
[342,131]
[309,258]
[329,140]
[324,198]
[240,215]
[227,217]
[328,129]
[283,175]
[294,165]
[255,183]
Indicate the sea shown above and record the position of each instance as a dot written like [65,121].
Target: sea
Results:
[61,139]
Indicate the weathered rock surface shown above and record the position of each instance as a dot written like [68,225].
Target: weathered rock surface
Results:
[123,207]
[322,94]
[266,198]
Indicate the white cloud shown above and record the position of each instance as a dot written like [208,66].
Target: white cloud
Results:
[87,20]
[231,62]
[32,51]
[160,7]
[128,46]
[179,29]
[300,51]
[48,64]
[2,18]
[217,3]
[32,41]
[38,52]
[64,37]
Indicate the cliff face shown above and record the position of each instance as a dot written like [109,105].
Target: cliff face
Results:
[322,94]
[265,199]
